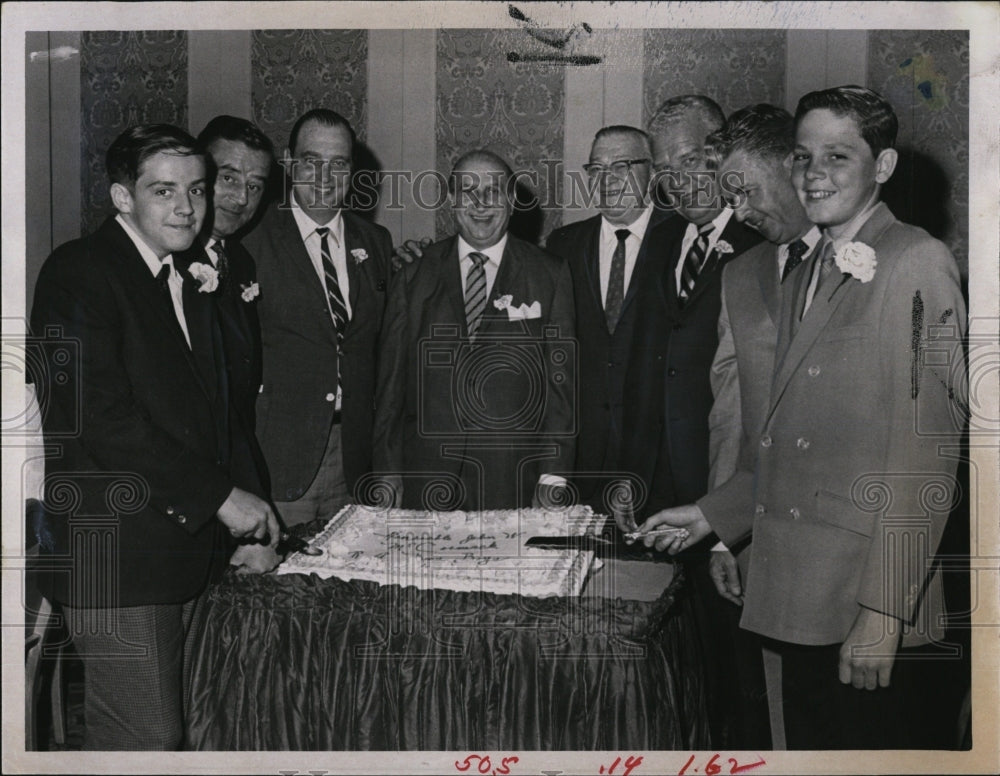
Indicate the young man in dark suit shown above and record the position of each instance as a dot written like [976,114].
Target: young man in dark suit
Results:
[475,405]
[138,501]
[610,258]
[322,273]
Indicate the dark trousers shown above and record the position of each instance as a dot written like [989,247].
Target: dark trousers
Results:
[327,493]
[822,713]
[133,663]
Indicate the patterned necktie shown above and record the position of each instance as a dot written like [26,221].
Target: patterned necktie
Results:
[796,252]
[821,265]
[693,262]
[616,282]
[222,265]
[475,292]
[333,294]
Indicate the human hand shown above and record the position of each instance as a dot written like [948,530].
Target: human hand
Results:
[689,517]
[247,516]
[255,559]
[869,651]
[408,252]
[725,575]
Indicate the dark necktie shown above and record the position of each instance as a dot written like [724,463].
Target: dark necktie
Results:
[163,281]
[475,292]
[694,262]
[796,252]
[222,265]
[616,282]
[333,294]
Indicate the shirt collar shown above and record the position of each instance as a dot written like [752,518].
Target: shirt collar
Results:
[637,227]
[307,226]
[494,253]
[719,224]
[810,238]
[152,260]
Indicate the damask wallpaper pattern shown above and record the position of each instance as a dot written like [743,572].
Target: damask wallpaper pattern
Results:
[515,109]
[294,71]
[126,78]
[734,67]
[925,75]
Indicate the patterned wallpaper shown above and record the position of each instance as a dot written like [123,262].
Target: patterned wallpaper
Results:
[126,78]
[514,109]
[734,67]
[297,70]
[925,75]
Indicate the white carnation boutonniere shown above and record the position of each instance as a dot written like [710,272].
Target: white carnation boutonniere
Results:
[205,274]
[722,247]
[856,259]
[503,302]
[360,255]
[250,292]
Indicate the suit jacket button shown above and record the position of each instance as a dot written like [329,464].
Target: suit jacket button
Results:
[330,397]
[170,510]
[813,370]
[802,443]
[181,519]
[794,512]
[671,372]
[765,441]
[759,510]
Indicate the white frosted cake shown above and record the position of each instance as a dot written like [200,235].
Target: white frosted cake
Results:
[463,551]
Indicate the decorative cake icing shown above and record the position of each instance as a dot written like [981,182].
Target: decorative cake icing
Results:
[462,551]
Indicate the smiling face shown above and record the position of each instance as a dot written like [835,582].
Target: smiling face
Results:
[241,175]
[766,200]
[679,159]
[166,204]
[833,169]
[480,202]
[621,198]
[321,169]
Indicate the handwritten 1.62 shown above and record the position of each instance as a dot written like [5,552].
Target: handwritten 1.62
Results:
[484,765]
[712,767]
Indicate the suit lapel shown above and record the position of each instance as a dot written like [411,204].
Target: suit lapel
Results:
[356,272]
[591,251]
[828,297]
[509,280]
[198,317]
[450,282]
[298,263]
[770,284]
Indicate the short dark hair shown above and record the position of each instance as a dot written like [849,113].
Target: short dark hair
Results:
[760,130]
[625,129]
[877,122]
[322,116]
[678,108]
[237,130]
[482,155]
[136,144]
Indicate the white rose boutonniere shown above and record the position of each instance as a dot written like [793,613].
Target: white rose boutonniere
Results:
[360,255]
[250,292]
[205,274]
[503,302]
[723,247]
[857,259]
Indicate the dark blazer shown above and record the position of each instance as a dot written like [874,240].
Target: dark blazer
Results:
[855,475]
[295,407]
[666,434]
[241,342]
[140,420]
[602,355]
[478,421]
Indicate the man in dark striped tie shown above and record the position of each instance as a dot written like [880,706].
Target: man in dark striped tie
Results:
[477,363]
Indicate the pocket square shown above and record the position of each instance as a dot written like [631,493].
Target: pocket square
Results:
[524,311]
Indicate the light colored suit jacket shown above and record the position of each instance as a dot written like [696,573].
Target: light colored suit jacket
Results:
[741,381]
[857,455]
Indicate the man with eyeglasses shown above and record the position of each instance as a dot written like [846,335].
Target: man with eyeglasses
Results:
[322,274]
[609,258]
[666,420]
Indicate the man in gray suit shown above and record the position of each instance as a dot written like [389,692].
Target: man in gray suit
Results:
[322,273]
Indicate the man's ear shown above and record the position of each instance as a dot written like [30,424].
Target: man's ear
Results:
[885,164]
[121,198]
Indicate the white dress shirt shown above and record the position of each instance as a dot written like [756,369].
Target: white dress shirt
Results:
[691,233]
[175,283]
[609,242]
[338,251]
[494,255]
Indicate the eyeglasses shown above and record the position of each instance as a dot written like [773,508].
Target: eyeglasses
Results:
[619,169]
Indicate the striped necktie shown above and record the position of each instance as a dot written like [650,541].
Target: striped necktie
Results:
[337,306]
[222,265]
[475,292]
[694,261]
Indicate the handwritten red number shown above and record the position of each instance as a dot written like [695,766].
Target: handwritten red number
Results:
[682,771]
[630,763]
[504,770]
[711,769]
[749,766]
[484,765]
[458,766]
